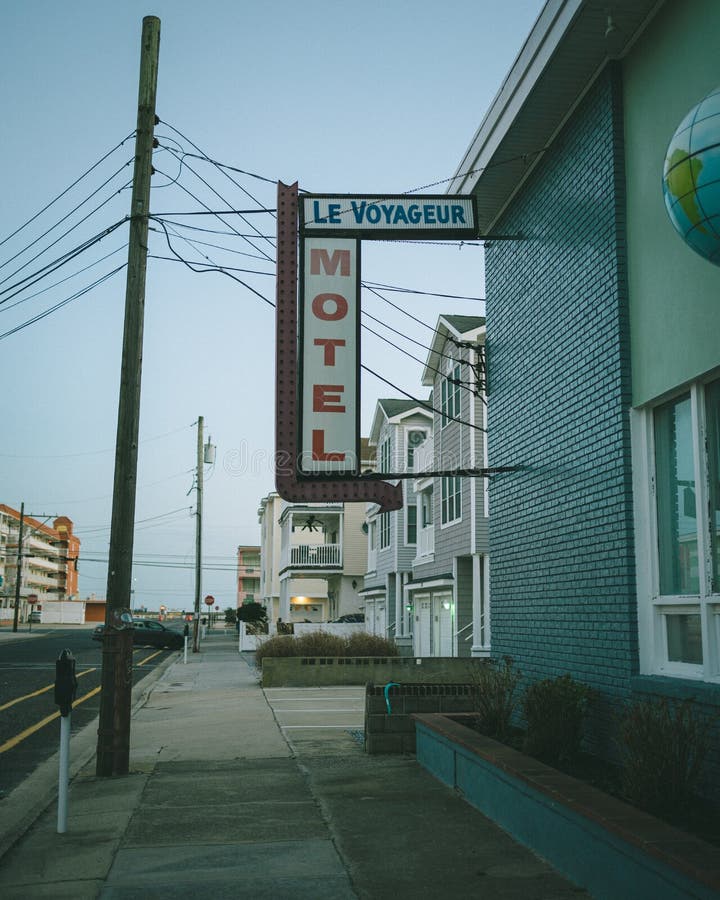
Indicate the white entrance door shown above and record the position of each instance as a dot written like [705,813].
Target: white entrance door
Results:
[422,625]
[380,619]
[442,644]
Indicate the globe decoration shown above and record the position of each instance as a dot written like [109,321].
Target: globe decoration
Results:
[691,178]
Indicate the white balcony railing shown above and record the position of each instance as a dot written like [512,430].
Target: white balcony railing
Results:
[426,541]
[320,555]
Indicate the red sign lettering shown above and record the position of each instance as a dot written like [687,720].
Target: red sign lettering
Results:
[318,448]
[329,345]
[326,398]
[330,264]
[341,307]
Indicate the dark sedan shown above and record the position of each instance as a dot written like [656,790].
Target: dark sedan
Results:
[147,633]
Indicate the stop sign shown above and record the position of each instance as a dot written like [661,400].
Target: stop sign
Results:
[209,600]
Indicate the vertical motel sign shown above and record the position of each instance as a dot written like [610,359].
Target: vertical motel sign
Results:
[318,381]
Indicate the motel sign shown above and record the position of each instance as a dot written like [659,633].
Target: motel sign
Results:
[332,228]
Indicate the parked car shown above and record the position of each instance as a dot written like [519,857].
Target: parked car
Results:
[34,616]
[147,633]
[351,617]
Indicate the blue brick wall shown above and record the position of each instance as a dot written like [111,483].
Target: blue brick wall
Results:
[561,534]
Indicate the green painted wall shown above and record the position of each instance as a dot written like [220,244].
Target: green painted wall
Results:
[674,293]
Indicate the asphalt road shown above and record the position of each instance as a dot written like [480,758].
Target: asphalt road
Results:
[29,726]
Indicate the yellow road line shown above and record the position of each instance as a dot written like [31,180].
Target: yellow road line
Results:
[37,693]
[148,658]
[13,742]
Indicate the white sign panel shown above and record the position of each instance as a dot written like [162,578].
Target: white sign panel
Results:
[329,355]
[370,216]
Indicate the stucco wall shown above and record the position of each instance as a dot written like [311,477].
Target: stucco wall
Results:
[674,308]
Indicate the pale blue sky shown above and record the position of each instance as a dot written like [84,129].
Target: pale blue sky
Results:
[342,97]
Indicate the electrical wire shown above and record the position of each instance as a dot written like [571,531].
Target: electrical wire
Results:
[424,403]
[231,208]
[63,280]
[67,189]
[62,303]
[59,222]
[56,264]
[217,269]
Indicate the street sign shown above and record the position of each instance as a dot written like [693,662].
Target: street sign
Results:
[209,600]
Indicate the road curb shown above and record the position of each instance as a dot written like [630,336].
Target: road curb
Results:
[29,800]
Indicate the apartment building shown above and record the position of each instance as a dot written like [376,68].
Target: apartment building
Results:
[48,561]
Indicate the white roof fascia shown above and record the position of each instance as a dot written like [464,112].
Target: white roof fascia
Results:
[547,33]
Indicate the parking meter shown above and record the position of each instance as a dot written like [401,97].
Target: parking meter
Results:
[65,682]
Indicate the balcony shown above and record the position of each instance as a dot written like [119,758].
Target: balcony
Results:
[320,556]
[425,541]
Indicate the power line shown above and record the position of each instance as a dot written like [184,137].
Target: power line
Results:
[67,189]
[230,207]
[62,303]
[58,263]
[63,280]
[59,222]
[424,403]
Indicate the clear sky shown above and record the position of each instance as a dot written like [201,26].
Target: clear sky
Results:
[379,96]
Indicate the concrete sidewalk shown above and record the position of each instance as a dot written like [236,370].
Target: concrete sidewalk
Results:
[218,805]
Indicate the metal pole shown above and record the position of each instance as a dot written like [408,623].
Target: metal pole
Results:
[114,722]
[198,536]
[18,570]
[63,774]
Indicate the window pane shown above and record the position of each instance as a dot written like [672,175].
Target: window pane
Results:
[683,638]
[712,413]
[412,524]
[675,476]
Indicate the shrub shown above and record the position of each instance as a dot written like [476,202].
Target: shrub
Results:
[493,688]
[252,612]
[280,645]
[362,644]
[554,709]
[320,643]
[662,749]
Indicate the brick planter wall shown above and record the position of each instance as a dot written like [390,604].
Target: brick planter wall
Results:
[394,732]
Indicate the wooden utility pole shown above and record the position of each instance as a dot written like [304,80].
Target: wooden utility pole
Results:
[113,745]
[198,535]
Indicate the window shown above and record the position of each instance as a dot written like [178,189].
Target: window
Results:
[384,530]
[385,456]
[414,439]
[372,535]
[426,509]
[450,500]
[685,593]
[450,394]
[411,531]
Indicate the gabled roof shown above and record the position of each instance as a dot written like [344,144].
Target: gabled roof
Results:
[390,408]
[569,43]
[459,328]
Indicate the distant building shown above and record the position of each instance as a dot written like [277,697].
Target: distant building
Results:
[49,559]
[313,556]
[248,575]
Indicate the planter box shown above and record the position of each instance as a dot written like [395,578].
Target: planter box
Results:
[301,671]
[602,844]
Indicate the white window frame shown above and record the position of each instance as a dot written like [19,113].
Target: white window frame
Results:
[445,495]
[652,606]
